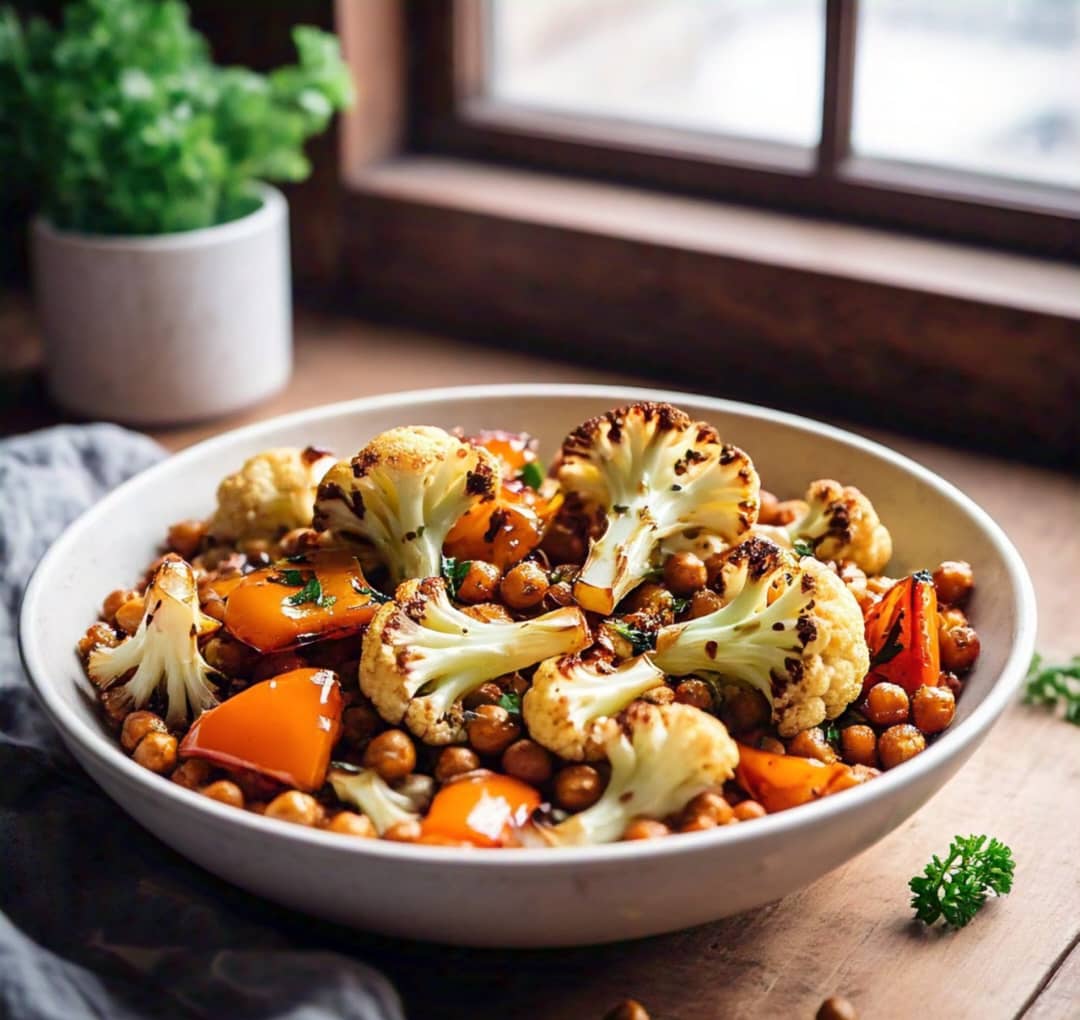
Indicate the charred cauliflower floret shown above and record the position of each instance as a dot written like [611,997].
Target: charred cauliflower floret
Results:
[403,492]
[791,630]
[652,472]
[274,492]
[569,700]
[384,804]
[164,649]
[661,757]
[421,656]
[840,523]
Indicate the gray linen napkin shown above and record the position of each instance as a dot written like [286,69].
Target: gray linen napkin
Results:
[97,918]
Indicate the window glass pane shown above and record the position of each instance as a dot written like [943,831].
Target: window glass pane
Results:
[751,68]
[986,85]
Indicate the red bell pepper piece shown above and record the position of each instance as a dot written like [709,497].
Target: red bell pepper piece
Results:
[902,635]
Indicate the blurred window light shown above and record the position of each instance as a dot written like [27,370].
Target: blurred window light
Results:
[991,86]
[748,68]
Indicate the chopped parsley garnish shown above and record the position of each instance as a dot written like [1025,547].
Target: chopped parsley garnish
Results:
[532,474]
[803,547]
[371,593]
[511,701]
[1055,687]
[680,605]
[832,733]
[295,578]
[312,594]
[957,887]
[640,640]
[454,572]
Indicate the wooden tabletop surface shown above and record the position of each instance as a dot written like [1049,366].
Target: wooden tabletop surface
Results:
[850,933]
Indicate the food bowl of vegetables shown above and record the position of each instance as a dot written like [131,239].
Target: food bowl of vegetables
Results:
[530,665]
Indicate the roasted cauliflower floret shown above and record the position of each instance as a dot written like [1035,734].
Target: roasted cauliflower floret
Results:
[661,757]
[164,648]
[274,492]
[651,472]
[384,804]
[791,629]
[840,523]
[421,656]
[403,492]
[569,700]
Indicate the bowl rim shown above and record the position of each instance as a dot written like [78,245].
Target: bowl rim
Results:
[107,754]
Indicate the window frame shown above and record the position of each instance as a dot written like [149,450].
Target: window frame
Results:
[450,116]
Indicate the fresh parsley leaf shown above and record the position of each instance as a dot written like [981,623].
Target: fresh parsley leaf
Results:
[532,474]
[1055,687]
[803,547]
[680,605]
[511,701]
[832,732]
[454,572]
[640,640]
[955,889]
[294,578]
[311,593]
[371,593]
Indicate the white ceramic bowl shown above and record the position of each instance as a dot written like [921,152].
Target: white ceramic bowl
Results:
[525,897]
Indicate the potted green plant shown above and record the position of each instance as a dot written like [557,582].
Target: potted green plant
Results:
[160,255]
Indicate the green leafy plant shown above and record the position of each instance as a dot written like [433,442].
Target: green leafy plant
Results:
[1055,687]
[119,123]
[957,887]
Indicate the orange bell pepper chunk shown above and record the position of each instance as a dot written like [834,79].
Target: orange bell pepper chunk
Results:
[502,531]
[483,811]
[781,781]
[512,449]
[284,728]
[902,635]
[324,595]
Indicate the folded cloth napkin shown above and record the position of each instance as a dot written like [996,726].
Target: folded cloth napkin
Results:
[97,918]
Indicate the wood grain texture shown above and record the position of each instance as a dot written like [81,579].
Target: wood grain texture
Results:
[851,932]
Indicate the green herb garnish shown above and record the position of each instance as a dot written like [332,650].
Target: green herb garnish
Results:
[803,547]
[511,701]
[1055,687]
[957,887]
[832,733]
[680,605]
[294,578]
[454,573]
[311,593]
[371,593]
[532,474]
[640,640]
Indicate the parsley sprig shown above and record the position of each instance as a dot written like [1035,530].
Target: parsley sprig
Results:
[1055,687]
[956,888]
[454,572]
[311,593]
[803,547]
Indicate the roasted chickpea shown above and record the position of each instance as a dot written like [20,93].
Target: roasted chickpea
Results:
[855,581]
[228,656]
[115,704]
[685,573]
[859,744]
[577,787]
[224,792]
[767,507]
[296,807]
[211,603]
[524,586]
[650,600]
[192,774]
[714,571]
[886,704]
[273,665]
[359,723]
[560,594]
[257,551]
[130,614]
[711,804]
[349,823]
[563,543]
[391,754]
[933,708]
[954,581]
[704,602]
[480,582]
[746,810]
[661,694]
[952,682]
[628,1009]
[114,600]
[492,730]
[696,693]
[528,761]
[899,743]
[485,694]
[811,743]
[772,745]
[788,510]
[98,635]
[696,823]
[743,708]
[959,649]
[407,831]
[836,1007]
[157,752]
[951,617]
[185,537]
[455,761]
[645,828]
[138,725]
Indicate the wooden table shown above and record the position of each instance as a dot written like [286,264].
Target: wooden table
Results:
[850,933]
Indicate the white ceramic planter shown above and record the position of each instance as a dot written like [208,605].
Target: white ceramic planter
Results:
[170,328]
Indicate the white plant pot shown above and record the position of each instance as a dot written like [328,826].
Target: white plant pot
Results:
[170,328]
